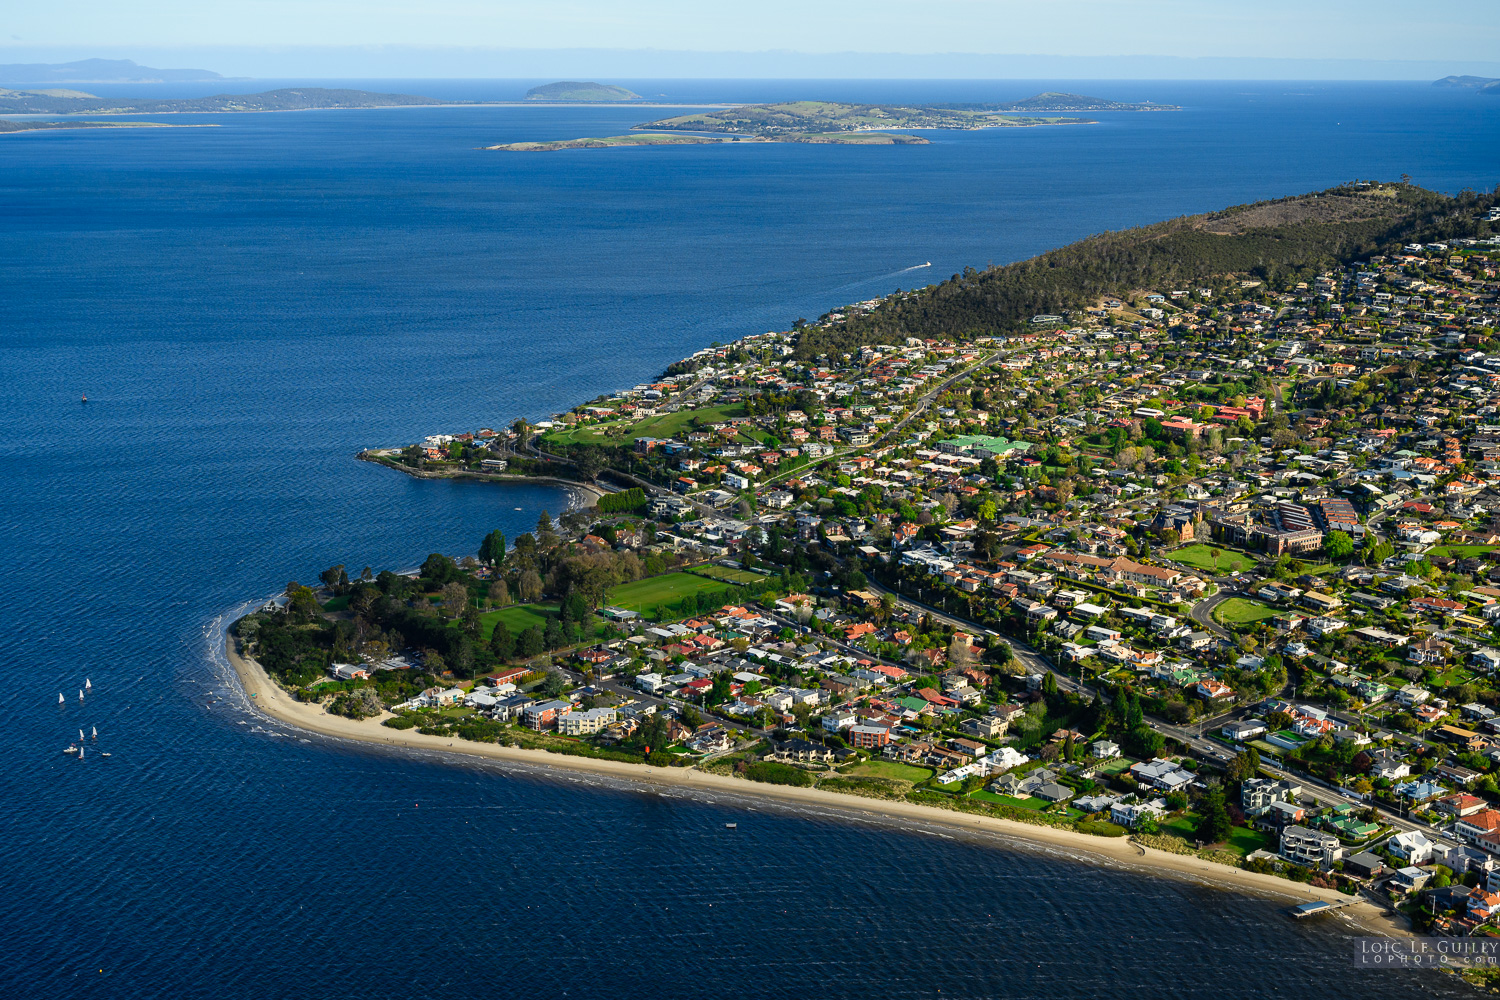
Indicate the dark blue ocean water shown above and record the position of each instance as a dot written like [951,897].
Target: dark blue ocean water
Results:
[248,304]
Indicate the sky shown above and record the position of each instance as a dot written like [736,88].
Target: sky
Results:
[1465,33]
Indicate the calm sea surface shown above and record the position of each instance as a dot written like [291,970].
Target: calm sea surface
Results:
[248,304]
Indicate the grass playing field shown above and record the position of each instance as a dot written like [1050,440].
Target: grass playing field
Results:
[730,575]
[645,595]
[663,426]
[1238,611]
[518,618]
[1203,557]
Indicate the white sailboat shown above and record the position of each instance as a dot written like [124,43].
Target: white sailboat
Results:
[80,694]
[95,731]
[80,753]
[80,736]
[88,685]
[60,699]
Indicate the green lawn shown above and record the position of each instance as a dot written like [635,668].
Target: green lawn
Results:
[662,426]
[1034,804]
[1115,765]
[1201,557]
[644,595]
[338,603]
[518,618]
[730,575]
[1238,611]
[1462,551]
[1245,841]
[1185,826]
[1454,676]
[890,769]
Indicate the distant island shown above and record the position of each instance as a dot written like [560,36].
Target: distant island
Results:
[41,102]
[569,90]
[1053,101]
[802,117]
[99,71]
[823,122]
[1483,84]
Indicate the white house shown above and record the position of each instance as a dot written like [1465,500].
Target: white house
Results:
[835,721]
[1131,814]
[1412,846]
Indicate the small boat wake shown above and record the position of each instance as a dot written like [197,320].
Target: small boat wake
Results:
[884,277]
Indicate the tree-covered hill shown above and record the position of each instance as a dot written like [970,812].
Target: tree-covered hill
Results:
[1269,240]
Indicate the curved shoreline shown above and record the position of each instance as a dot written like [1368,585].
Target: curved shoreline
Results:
[267,698]
[484,477]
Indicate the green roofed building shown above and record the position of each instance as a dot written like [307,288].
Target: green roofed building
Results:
[983,446]
[1353,829]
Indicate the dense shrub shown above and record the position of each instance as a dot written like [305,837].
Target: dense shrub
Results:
[1100,828]
[778,774]
[626,500]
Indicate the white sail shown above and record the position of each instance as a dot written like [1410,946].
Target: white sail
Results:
[88,685]
[60,698]
[94,730]
[80,735]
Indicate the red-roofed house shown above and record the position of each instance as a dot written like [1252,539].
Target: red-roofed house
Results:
[932,697]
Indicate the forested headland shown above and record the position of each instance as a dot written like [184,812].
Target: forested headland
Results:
[1268,240]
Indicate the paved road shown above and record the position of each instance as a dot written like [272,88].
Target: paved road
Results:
[1314,788]
[1203,613]
[1192,737]
[925,400]
[1023,651]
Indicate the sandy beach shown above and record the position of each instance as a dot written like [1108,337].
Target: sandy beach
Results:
[268,698]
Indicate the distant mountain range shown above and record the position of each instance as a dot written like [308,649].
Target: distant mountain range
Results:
[587,92]
[1483,84]
[98,71]
[24,102]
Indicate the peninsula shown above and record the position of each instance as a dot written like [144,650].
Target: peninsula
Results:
[1053,101]
[807,122]
[8,126]
[1176,541]
[658,139]
[800,117]
[65,102]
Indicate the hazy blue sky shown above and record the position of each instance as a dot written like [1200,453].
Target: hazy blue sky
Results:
[1350,29]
